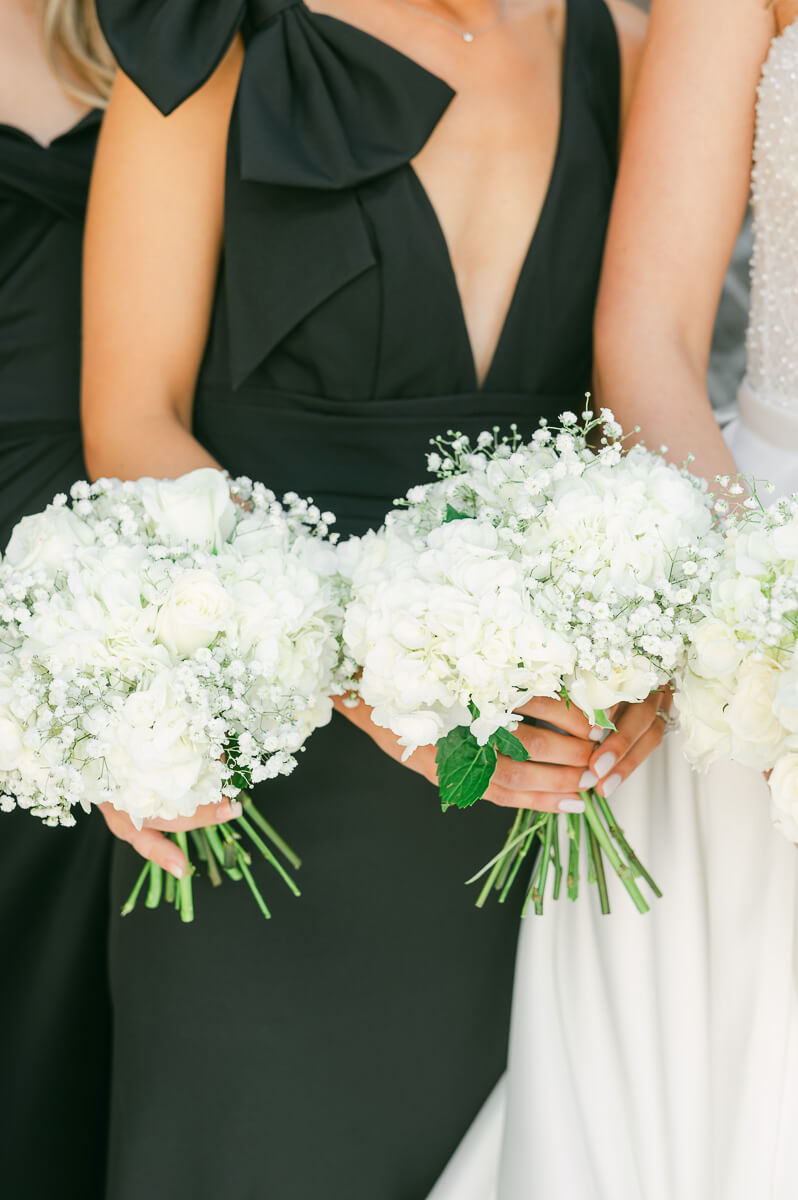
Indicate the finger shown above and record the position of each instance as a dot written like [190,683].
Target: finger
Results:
[643,747]
[546,746]
[540,777]
[631,722]
[557,712]
[146,842]
[204,815]
[537,801]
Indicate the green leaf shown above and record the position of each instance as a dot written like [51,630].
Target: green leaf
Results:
[601,719]
[509,744]
[453,515]
[464,768]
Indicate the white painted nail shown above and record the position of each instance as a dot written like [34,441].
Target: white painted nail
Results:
[604,764]
[588,780]
[597,734]
[229,811]
[176,869]
[570,805]
[609,785]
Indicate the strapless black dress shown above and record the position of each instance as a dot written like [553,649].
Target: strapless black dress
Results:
[54,1002]
[340,1051]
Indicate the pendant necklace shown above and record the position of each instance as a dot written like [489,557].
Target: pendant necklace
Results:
[467,35]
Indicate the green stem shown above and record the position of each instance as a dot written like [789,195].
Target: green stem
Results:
[130,903]
[156,886]
[267,854]
[574,838]
[557,863]
[253,887]
[215,843]
[617,832]
[169,888]
[520,818]
[214,873]
[184,885]
[597,869]
[274,837]
[520,856]
[545,860]
[622,869]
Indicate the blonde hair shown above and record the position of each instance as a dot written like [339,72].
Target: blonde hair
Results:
[77,50]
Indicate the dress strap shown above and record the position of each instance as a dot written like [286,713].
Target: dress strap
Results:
[593,40]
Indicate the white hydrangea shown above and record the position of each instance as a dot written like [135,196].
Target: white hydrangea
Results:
[165,642]
[544,568]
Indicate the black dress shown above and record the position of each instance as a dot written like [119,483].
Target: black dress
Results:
[340,1051]
[54,1001]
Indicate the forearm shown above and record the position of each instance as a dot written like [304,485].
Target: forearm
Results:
[651,381]
[155,444]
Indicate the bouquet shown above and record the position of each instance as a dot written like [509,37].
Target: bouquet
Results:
[539,569]
[165,644]
[738,693]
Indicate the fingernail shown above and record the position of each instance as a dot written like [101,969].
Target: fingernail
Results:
[588,780]
[571,805]
[597,734]
[229,811]
[604,764]
[176,868]
[609,785]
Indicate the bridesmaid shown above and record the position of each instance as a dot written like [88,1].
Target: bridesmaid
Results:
[55,75]
[364,222]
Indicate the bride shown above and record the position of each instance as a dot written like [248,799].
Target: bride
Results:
[656,1058]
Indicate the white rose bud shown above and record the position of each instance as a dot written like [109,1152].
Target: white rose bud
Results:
[194,612]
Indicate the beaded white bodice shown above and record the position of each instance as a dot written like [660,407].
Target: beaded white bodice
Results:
[772,373]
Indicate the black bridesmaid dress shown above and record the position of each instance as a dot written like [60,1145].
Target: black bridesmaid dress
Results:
[340,1051]
[54,1000]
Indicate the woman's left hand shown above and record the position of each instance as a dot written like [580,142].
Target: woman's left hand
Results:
[639,730]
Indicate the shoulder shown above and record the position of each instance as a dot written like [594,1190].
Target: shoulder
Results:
[631,24]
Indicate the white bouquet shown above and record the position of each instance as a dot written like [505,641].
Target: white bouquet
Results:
[738,695]
[546,569]
[165,644]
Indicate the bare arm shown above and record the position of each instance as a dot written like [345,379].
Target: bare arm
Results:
[153,240]
[682,191]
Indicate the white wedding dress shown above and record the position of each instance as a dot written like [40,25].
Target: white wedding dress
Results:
[656,1057]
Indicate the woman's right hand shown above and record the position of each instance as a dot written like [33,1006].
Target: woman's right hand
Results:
[149,841]
[549,783]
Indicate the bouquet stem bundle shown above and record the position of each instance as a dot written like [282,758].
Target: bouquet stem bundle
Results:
[603,838]
[220,848]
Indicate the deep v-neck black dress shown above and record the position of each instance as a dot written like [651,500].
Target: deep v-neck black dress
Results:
[54,1001]
[340,1051]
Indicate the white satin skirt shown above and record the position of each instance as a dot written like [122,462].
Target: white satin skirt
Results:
[656,1057]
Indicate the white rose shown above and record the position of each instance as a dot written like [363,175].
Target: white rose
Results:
[47,539]
[702,707]
[193,613]
[786,704]
[715,651]
[196,508]
[757,733]
[784,796]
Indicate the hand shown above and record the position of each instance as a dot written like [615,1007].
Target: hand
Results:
[550,783]
[152,845]
[638,731]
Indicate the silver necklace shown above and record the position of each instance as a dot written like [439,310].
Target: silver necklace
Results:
[467,35]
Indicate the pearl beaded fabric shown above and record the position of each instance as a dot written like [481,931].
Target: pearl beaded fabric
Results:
[772,374]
